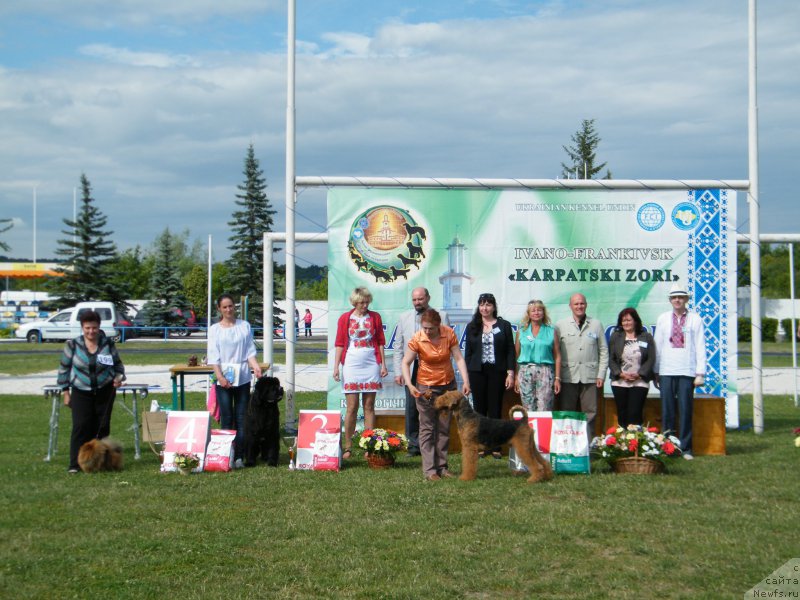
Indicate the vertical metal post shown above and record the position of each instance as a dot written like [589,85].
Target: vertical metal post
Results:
[209,305]
[289,331]
[269,298]
[793,332]
[755,248]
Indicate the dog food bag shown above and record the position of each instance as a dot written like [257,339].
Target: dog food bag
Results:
[326,452]
[219,454]
[560,438]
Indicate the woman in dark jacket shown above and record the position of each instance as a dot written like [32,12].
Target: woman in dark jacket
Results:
[89,373]
[631,356]
[490,357]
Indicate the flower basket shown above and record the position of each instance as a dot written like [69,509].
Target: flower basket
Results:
[380,461]
[186,462]
[380,445]
[637,465]
[635,449]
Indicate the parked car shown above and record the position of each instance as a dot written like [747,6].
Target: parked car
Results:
[185,323]
[66,324]
[124,325]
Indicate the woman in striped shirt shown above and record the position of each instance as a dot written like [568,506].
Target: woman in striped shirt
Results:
[89,373]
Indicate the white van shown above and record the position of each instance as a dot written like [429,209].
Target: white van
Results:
[66,324]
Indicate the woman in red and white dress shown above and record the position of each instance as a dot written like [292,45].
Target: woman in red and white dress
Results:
[359,363]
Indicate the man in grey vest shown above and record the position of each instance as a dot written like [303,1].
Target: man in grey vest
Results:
[407,326]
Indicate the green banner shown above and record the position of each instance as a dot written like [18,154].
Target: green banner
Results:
[618,248]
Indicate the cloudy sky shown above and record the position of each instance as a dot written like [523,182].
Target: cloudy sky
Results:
[157,101]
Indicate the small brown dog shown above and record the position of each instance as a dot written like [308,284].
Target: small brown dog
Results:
[478,432]
[100,455]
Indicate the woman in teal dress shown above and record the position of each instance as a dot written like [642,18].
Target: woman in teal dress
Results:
[538,376]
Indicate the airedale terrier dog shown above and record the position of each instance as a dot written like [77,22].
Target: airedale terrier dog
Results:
[478,432]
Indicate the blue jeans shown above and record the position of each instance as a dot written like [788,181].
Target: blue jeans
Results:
[232,410]
[677,393]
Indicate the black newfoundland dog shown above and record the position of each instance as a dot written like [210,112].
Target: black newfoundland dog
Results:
[262,423]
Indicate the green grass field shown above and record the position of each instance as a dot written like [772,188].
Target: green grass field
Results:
[710,528]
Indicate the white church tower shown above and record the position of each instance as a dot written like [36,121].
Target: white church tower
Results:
[457,284]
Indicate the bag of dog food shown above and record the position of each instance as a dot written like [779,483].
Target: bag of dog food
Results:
[326,452]
[219,454]
[560,438]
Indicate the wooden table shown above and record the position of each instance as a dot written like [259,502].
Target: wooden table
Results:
[136,390]
[179,372]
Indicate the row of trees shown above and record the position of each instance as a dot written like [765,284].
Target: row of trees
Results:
[173,273]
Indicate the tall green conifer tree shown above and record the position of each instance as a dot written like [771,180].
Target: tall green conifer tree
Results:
[89,251]
[250,221]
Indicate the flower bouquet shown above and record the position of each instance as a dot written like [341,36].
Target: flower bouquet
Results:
[635,449]
[381,445]
[186,462]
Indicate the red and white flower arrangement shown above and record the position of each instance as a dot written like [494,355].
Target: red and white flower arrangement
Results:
[635,441]
[382,442]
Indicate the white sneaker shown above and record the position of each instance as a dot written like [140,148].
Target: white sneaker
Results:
[688,456]
[238,464]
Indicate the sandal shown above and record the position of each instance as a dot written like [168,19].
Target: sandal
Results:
[347,453]
[497,456]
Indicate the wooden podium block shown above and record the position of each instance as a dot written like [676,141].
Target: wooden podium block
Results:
[708,421]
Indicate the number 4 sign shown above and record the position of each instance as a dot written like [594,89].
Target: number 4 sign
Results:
[187,431]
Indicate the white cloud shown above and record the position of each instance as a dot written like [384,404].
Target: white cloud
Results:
[124,56]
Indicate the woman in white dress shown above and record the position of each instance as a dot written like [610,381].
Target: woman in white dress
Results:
[359,363]
[232,354]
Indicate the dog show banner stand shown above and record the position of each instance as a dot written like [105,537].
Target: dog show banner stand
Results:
[561,438]
[618,247]
[187,431]
[318,440]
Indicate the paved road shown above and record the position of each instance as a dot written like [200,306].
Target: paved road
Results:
[310,378]
[315,378]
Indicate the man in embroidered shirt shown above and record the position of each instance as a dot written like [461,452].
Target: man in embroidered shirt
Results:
[584,360]
[680,364]
[407,326]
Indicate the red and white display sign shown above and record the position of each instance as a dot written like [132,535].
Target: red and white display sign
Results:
[187,431]
[318,440]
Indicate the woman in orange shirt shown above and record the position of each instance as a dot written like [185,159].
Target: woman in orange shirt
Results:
[434,346]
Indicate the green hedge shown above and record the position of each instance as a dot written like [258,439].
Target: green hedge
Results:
[769,329]
[787,328]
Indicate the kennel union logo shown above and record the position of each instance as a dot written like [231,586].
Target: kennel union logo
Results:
[651,216]
[385,242]
[685,216]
